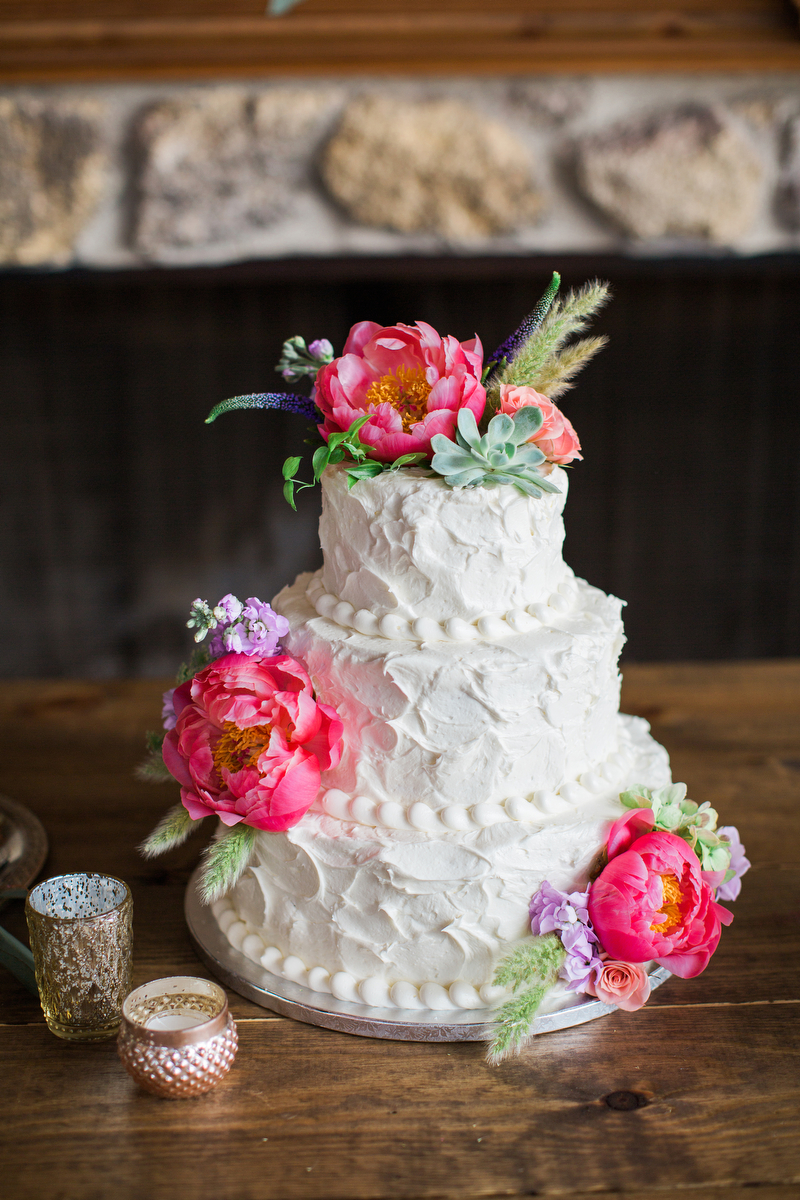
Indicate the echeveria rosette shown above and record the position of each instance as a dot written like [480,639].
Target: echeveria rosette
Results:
[651,900]
[410,381]
[503,455]
[250,742]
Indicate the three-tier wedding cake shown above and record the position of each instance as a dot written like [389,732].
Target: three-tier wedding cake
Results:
[483,749]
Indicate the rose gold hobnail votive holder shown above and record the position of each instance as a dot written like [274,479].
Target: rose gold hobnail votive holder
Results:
[177,1038]
[81,931]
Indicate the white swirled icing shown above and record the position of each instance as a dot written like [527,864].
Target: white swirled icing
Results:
[452,723]
[405,545]
[483,750]
[405,919]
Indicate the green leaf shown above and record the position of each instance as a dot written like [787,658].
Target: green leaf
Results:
[172,830]
[365,470]
[408,460]
[225,861]
[319,461]
[336,455]
[288,493]
[290,466]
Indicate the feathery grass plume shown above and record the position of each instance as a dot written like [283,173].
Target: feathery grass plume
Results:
[540,356]
[556,375]
[172,830]
[200,658]
[225,861]
[153,769]
[513,1023]
[535,963]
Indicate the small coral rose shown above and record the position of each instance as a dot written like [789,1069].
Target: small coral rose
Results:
[651,901]
[556,438]
[410,381]
[622,983]
[250,741]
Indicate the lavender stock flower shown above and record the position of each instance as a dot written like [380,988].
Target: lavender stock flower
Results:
[567,914]
[253,628]
[739,864]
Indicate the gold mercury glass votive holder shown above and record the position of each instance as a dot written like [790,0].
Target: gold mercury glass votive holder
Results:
[177,1038]
[81,931]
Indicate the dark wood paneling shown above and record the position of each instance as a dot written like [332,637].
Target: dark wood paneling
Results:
[118,505]
[52,40]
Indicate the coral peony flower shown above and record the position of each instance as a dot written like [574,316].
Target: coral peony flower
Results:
[410,380]
[556,438]
[622,983]
[250,741]
[651,901]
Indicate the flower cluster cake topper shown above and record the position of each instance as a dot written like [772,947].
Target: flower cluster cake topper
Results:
[404,396]
[244,737]
[654,897]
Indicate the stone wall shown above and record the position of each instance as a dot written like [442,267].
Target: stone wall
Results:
[127,176]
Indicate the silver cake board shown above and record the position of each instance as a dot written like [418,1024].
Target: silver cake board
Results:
[289,999]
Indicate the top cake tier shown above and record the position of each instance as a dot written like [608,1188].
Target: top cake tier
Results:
[407,544]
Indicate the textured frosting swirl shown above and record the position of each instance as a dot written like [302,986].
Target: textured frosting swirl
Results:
[406,544]
[465,723]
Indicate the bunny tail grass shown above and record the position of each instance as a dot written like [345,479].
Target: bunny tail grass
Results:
[534,963]
[172,830]
[225,861]
[513,1023]
[532,363]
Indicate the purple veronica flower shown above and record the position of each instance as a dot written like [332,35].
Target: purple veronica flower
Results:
[740,864]
[567,915]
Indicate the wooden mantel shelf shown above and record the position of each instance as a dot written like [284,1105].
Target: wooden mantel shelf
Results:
[52,40]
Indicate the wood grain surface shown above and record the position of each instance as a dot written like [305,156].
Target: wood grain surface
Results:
[697,1095]
[42,40]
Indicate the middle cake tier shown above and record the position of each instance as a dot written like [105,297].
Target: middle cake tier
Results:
[443,727]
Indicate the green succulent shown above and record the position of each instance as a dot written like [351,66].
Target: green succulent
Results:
[502,455]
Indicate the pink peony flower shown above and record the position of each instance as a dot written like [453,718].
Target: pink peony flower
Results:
[556,438]
[250,741]
[410,380]
[651,901]
[622,983]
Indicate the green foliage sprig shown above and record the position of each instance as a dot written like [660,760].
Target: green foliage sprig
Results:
[532,966]
[502,455]
[695,823]
[544,361]
[341,446]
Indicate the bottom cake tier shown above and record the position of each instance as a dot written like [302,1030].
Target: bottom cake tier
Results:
[410,919]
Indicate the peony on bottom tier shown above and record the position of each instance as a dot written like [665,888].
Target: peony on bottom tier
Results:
[404,918]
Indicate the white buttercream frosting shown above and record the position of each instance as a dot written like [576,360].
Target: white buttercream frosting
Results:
[405,545]
[482,752]
[465,723]
[386,916]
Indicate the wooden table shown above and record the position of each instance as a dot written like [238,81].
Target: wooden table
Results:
[697,1094]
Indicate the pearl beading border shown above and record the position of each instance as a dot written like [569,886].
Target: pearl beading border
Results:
[425,629]
[591,785]
[341,984]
